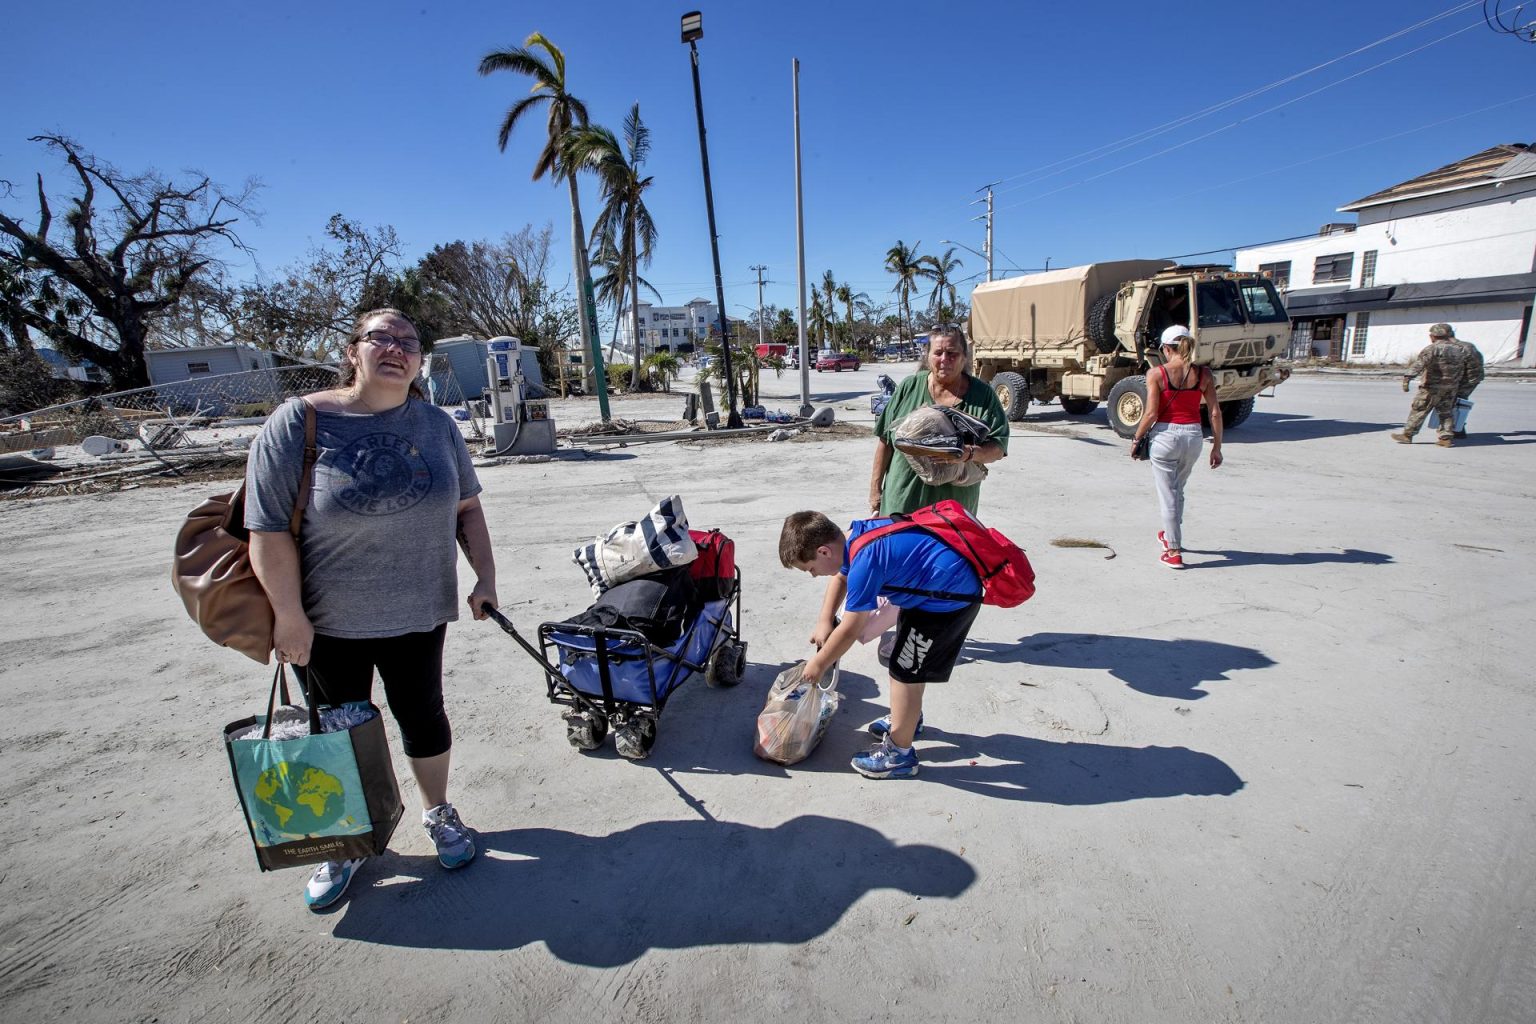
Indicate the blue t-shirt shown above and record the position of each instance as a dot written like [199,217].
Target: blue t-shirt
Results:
[909,558]
[376,546]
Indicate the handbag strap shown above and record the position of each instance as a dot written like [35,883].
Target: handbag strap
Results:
[279,684]
[306,476]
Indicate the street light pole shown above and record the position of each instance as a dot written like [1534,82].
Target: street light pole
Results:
[693,30]
[802,348]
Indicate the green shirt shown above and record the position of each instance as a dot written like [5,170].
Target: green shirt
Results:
[904,491]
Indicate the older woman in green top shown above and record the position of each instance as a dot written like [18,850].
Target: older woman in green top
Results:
[893,486]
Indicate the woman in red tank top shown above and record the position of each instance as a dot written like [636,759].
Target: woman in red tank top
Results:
[1175,391]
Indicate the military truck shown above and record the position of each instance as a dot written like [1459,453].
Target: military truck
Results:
[1089,334]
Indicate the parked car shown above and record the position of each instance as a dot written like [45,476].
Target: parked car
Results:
[837,362]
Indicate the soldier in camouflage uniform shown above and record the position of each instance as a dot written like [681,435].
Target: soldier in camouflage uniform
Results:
[1443,365]
[1474,367]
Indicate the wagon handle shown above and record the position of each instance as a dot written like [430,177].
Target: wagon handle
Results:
[506,625]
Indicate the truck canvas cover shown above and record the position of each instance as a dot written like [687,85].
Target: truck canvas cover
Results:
[1048,310]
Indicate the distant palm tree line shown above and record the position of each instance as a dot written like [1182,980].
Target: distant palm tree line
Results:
[623,238]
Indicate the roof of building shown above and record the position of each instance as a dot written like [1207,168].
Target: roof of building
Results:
[1499,163]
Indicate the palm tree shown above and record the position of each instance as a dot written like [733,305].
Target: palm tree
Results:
[847,296]
[909,268]
[612,287]
[940,269]
[565,113]
[829,304]
[624,215]
[664,366]
[816,321]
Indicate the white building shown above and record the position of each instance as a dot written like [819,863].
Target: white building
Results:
[669,328]
[1456,245]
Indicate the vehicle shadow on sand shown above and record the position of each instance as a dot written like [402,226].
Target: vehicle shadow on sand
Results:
[605,900]
[1170,668]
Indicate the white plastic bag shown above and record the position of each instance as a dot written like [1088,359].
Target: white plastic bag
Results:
[796,716]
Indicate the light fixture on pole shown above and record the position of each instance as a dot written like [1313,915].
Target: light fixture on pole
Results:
[693,30]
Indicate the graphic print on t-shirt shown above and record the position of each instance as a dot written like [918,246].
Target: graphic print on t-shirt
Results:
[384,474]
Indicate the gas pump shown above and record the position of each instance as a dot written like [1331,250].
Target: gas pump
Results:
[519,426]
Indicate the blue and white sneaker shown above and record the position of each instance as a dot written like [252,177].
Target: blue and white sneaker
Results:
[884,761]
[880,728]
[329,882]
[454,840]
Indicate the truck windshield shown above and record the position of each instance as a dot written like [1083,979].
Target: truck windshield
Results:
[1263,305]
[1218,303]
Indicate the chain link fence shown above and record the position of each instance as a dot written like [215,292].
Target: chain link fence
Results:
[253,393]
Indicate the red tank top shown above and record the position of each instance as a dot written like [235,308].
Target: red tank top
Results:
[1180,405]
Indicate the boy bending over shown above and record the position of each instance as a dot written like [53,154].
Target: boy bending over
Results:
[937,592]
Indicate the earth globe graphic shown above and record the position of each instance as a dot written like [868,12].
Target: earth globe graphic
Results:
[298,798]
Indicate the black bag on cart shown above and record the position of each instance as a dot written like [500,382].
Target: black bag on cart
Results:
[657,605]
[317,797]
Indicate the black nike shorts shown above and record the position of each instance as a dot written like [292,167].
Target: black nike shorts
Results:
[928,643]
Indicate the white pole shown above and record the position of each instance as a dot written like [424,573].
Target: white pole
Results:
[805,356]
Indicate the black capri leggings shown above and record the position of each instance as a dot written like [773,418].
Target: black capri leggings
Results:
[411,665]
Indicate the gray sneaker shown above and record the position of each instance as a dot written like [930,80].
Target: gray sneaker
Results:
[454,840]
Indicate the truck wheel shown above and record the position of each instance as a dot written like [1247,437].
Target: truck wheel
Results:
[1078,406]
[1012,393]
[1234,413]
[1101,325]
[1127,401]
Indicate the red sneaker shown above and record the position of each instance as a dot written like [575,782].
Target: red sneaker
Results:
[1172,559]
[1162,540]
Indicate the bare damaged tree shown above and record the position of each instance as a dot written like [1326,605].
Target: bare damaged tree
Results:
[131,247]
[309,309]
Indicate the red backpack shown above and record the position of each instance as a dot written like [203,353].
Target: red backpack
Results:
[1007,578]
[714,571]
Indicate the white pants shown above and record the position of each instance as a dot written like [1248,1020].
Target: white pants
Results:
[1175,450]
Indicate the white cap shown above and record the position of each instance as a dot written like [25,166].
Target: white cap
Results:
[1172,335]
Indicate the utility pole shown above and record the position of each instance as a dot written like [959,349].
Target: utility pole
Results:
[805,355]
[760,282]
[986,246]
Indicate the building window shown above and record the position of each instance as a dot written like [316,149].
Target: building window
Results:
[1338,267]
[1368,270]
[1280,273]
[1362,325]
[197,368]
[1301,340]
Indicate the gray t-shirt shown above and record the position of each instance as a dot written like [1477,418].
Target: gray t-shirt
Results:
[377,545]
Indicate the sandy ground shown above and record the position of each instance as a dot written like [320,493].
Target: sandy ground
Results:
[1291,784]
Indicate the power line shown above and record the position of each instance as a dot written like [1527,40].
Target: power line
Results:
[1089,156]
[1334,153]
[1240,121]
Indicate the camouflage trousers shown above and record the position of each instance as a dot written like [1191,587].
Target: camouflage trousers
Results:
[1443,400]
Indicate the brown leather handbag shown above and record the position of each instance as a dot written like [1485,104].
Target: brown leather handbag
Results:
[211,567]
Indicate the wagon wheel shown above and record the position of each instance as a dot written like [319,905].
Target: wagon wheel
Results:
[585,729]
[635,738]
[727,665]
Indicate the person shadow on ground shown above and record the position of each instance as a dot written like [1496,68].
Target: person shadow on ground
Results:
[1342,556]
[1172,668]
[605,900]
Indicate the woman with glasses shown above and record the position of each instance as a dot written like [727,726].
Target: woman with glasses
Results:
[893,486]
[371,582]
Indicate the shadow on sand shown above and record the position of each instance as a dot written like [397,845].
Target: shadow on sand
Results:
[1345,556]
[605,900]
[1162,668]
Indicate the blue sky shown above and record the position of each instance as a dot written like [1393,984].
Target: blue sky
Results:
[375,110]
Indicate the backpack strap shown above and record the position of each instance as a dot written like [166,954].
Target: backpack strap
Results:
[901,521]
[307,474]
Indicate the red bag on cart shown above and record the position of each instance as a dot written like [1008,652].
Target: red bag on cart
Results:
[714,570]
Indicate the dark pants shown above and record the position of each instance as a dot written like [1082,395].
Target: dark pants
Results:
[340,671]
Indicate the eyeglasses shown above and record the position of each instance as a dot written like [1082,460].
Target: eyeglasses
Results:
[383,339]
